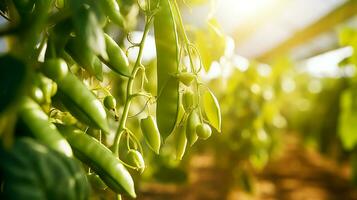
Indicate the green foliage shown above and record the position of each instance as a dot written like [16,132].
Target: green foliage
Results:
[212,110]
[211,43]
[33,171]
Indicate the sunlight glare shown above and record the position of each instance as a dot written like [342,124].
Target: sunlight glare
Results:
[239,11]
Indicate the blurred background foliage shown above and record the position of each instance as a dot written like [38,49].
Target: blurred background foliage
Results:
[267,99]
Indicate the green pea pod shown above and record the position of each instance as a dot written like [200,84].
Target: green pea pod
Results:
[63,102]
[186,78]
[99,12]
[135,159]
[203,131]
[82,102]
[188,100]
[58,38]
[212,110]
[151,133]
[37,94]
[117,60]
[181,141]
[98,69]
[100,159]
[111,8]
[55,68]
[167,66]
[84,57]
[88,31]
[38,123]
[47,86]
[110,102]
[193,121]
[96,181]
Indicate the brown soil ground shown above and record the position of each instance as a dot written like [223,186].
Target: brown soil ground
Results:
[298,174]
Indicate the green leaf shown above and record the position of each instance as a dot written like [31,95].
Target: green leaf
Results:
[211,43]
[33,171]
[212,110]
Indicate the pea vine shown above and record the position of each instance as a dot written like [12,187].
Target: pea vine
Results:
[62,97]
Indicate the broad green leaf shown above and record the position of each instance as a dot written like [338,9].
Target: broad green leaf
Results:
[30,163]
[212,110]
[211,43]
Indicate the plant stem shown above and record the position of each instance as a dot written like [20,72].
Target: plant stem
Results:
[187,44]
[129,91]
[183,33]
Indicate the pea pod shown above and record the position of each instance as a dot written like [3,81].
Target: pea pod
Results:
[110,102]
[99,12]
[96,181]
[81,102]
[167,66]
[186,78]
[37,94]
[135,159]
[151,133]
[203,131]
[181,141]
[100,159]
[38,123]
[117,60]
[88,30]
[111,8]
[84,57]
[193,121]
[48,88]
[188,100]
[63,102]
[55,69]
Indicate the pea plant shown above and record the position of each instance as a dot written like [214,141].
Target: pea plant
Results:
[57,102]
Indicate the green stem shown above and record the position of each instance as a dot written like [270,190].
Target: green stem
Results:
[184,35]
[198,100]
[149,96]
[129,91]
[188,49]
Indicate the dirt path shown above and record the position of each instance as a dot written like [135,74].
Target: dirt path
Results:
[297,175]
